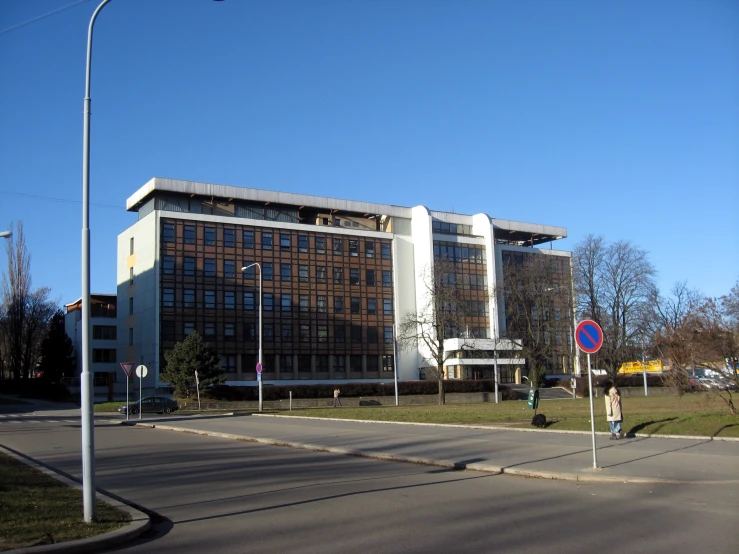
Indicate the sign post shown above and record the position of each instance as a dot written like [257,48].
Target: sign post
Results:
[259,380]
[141,372]
[589,338]
[127,369]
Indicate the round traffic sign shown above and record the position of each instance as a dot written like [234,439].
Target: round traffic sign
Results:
[589,336]
[259,367]
[141,371]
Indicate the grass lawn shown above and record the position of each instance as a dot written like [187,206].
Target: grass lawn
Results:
[691,414]
[36,509]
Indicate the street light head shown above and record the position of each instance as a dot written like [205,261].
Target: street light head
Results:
[6,234]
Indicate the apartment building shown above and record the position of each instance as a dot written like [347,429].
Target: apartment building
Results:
[337,278]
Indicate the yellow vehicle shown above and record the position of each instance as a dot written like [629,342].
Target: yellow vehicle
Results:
[653,366]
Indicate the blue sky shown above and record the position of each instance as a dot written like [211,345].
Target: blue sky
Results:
[618,118]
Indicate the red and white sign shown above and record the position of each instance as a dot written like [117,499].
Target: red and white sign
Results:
[128,367]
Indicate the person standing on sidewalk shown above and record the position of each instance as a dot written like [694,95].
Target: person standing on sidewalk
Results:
[337,400]
[614,411]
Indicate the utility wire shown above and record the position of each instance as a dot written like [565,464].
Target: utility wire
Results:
[42,16]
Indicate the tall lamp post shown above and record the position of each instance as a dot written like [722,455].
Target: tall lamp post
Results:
[259,374]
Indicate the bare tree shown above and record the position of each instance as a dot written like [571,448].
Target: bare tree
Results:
[538,309]
[25,314]
[440,318]
[615,288]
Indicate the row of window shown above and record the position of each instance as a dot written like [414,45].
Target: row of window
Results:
[275,302]
[270,241]
[286,364]
[459,253]
[285,332]
[338,274]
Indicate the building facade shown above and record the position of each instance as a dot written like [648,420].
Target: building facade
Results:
[337,277]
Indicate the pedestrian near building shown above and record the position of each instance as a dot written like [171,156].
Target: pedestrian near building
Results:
[337,400]
[614,410]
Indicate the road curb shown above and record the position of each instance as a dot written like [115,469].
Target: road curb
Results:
[585,476]
[140,521]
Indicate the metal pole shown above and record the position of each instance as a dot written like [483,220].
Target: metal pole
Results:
[592,415]
[260,335]
[128,402]
[395,369]
[86,388]
[141,392]
[644,369]
[291,401]
[495,365]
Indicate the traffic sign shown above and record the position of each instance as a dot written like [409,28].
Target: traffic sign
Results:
[127,367]
[259,367]
[141,371]
[589,336]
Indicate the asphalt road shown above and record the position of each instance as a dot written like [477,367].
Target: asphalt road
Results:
[218,495]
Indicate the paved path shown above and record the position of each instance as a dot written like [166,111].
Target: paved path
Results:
[547,454]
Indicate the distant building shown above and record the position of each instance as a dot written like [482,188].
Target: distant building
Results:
[338,276]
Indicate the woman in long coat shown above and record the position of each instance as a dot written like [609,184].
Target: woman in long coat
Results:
[614,411]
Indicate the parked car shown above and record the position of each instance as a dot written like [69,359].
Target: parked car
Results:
[150,404]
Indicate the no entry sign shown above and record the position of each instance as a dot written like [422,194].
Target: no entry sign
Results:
[589,336]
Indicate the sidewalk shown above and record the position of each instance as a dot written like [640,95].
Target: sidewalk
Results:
[523,452]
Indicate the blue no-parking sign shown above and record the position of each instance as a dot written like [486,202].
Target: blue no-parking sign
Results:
[589,336]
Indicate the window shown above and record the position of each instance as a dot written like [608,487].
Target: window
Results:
[188,298]
[302,243]
[229,300]
[320,245]
[229,331]
[304,363]
[168,265]
[250,333]
[130,306]
[269,302]
[372,335]
[321,274]
[251,272]
[188,328]
[304,302]
[339,362]
[266,241]
[285,242]
[229,237]
[339,333]
[103,355]
[168,233]
[269,332]
[303,273]
[189,266]
[286,362]
[356,331]
[355,362]
[285,272]
[321,304]
[338,304]
[322,333]
[369,277]
[388,363]
[209,267]
[387,278]
[388,335]
[557,314]
[354,276]
[338,275]
[168,298]
[338,246]
[305,333]
[131,246]
[287,332]
[372,306]
[356,305]
[209,236]
[168,331]
[228,363]
[189,234]
[209,299]
[385,249]
[130,275]
[249,301]
[372,364]
[229,268]
[369,249]
[321,362]
[387,306]
[104,332]
[267,271]
[353,248]
[286,303]
[210,328]
[247,238]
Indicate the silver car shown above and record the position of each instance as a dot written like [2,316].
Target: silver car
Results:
[150,404]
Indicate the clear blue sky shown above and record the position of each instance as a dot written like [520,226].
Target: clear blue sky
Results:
[615,117]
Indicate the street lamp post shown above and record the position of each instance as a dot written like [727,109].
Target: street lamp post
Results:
[259,375]
[6,234]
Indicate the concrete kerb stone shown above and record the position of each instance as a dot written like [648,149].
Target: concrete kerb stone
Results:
[140,521]
[586,476]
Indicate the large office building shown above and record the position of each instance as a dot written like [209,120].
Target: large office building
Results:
[337,278]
